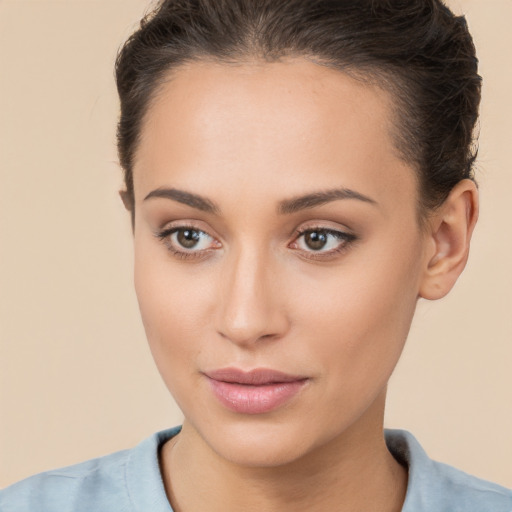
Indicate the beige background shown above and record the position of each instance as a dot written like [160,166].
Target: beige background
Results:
[76,377]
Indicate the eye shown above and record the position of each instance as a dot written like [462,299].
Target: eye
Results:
[190,238]
[322,241]
[188,241]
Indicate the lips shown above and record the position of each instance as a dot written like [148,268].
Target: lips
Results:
[255,392]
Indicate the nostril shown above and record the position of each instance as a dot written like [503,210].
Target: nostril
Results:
[247,337]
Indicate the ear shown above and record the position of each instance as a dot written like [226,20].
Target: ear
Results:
[127,201]
[128,204]
[449,229]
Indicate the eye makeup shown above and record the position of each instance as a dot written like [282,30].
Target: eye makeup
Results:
[187,241]
[321,243]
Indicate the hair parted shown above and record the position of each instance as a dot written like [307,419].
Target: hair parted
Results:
[418,50]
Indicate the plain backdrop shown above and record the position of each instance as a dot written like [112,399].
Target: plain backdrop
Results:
[76,377]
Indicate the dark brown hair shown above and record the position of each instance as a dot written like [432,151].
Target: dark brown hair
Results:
[416,49]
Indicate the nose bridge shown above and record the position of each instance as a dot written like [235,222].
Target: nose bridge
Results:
[250,307]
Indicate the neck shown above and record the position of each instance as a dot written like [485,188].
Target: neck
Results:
[352,472]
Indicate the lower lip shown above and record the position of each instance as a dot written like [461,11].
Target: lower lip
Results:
[246,399]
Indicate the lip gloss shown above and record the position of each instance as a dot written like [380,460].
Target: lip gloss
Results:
[255,392]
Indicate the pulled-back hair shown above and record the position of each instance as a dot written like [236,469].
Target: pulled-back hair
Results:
[418,50]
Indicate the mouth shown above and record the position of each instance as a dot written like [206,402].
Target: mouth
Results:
[254,392]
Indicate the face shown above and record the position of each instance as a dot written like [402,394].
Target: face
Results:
[278,256]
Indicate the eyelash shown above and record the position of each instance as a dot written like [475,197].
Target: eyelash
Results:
[165,237]
[345,239]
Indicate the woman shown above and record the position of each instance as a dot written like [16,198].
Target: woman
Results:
[298,174]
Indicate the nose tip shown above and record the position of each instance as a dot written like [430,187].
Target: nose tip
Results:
[246,322]
[249,331]
[245,335]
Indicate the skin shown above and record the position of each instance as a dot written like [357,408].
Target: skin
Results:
[253,294]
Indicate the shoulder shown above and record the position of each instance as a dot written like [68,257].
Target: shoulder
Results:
[116,482]
[78,487]
[436,486]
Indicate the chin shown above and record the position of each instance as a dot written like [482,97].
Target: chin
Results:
[262,445]
[272,440]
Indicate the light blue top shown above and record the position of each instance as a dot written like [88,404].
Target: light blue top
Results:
[130,481]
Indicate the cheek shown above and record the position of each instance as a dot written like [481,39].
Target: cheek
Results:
[174,308]
[173,312]
[360,315]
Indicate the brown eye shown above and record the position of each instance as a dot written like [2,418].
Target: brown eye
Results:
[188,238]
[322,241]
[188,241]
[316,240]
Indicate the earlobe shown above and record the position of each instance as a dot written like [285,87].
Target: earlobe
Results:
[450,230]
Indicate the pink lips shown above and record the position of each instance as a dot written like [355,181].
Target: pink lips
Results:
[255,392]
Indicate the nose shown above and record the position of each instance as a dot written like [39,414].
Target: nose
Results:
[250,307]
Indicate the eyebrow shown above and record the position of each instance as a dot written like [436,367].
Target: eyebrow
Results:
[319,198]
[193,200]
[286,207]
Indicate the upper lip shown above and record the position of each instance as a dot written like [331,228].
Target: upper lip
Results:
[258,376]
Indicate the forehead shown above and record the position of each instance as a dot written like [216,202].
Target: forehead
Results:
[294,122]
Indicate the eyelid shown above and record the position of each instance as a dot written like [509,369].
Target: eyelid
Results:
[324,226]
[346,237]
[164,234]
